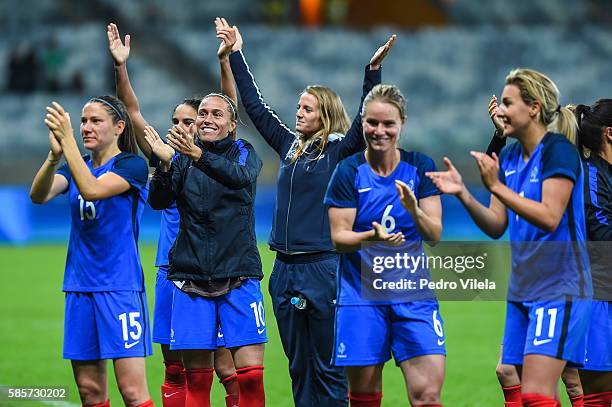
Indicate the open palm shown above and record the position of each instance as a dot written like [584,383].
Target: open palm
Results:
[448,182]
[119,51]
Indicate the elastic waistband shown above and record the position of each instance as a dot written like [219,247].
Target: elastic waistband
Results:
[305,257]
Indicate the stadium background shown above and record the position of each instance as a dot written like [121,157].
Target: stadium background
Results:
[450,56]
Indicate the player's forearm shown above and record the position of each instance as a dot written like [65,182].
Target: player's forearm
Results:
[228,85]
[429,228]
[126,94]
[346,241]
[485,218]
[536,213]
[85,181]
[43,180]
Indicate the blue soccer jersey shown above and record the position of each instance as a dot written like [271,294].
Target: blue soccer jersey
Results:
[103,247]
[355,185]
[547,265]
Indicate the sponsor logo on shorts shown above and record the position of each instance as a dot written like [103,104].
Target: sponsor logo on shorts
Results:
[538,342]
[167,395]
[130,345]
[441,342]
[262,330]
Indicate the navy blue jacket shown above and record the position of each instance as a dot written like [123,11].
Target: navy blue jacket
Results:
[215,197]
[598,202]
[300,223]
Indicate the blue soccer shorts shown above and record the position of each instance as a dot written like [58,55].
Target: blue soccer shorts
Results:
[162,315]
[551,328]
[106,325]
[599,338]
[368,334]
[197,321]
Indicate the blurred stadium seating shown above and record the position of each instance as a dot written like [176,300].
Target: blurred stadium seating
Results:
[448,73]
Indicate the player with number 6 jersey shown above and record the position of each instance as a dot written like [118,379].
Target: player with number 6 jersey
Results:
[103,280]
[383,196]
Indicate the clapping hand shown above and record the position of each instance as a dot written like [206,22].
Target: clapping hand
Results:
[448,182]
[58,121]
[231,40]
[162,150]
[183,141]
[381,234]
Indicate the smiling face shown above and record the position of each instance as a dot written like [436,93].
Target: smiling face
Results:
[214,121]
[97,128]
[308,115]
[183,116]
[382,126]
[515,113]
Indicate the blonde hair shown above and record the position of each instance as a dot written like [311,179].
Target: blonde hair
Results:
[386,94]
[334,119]
[537,87]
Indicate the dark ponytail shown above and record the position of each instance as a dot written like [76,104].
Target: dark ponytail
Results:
[591,121]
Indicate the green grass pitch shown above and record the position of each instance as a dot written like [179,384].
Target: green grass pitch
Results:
[31,309]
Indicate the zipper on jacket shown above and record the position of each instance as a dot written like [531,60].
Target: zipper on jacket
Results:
[289,206]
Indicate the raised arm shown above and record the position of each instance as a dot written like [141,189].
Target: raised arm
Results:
[47,184]
[492,220]
[90,187]
[268,124]
[228,84]
[120,53]
[354,142]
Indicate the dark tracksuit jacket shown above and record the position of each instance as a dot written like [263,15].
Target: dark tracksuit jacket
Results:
[215,197]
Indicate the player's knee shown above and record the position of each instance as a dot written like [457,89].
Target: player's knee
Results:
[425,396]
[506,374]
[91,392]
[132,393]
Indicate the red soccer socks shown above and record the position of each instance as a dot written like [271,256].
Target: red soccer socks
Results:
[174,388]
[105,404]
[232,390]
[199,382]
[577,401]
[250,380]
[148,403]
[598,399]
[365,400]
[538,400]
[512,396]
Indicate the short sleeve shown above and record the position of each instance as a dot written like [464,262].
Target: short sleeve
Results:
[133,169]
[560,159]
[341,188]
[426,186]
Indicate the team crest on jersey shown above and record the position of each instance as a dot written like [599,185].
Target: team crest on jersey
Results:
[533,177]
[341,350]
[411,185]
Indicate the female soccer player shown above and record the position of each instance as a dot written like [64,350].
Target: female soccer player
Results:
[173,389]
[539,194]
[383,195]
[305,265]
[508,375]
[103,280]
[595,141]
[214,259]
